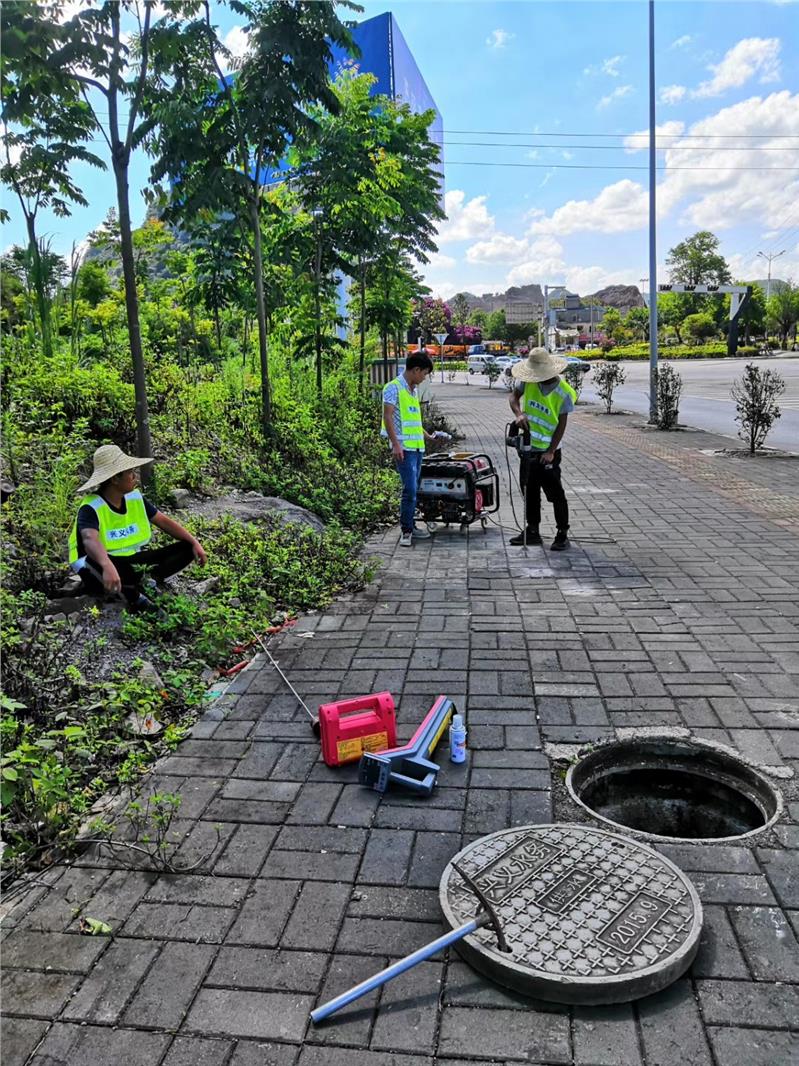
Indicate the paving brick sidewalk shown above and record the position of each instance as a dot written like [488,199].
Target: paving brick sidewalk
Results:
[678,606]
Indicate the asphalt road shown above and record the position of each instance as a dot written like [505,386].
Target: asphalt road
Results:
[705,402]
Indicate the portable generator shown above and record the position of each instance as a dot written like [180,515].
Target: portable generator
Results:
[457,487]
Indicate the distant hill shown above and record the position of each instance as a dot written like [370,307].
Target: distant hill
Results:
[495,301]
[622,297]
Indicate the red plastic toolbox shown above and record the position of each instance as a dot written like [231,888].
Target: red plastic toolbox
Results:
[350,727]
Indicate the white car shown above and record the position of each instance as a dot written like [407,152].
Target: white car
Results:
[505,361]
[476,364]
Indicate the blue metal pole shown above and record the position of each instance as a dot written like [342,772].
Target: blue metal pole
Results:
[653,281]
[395,969]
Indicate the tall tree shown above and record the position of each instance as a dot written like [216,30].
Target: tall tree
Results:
[674,308]
[113,74]
[460,315]
[495,328]
[45,127]
[753,315]
[637,322]
[783,309]
[221,139]
[697,261]
[368,179]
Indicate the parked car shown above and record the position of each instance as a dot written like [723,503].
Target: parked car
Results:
[476,364]
[581,364]
[504,362]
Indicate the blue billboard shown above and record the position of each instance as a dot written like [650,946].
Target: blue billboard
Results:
[386,55]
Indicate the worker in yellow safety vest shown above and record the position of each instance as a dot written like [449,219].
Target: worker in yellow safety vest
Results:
[107,545]
[541,402]
[402,427]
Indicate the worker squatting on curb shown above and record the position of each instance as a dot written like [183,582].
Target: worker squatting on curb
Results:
[113,525]
[541,402]
[402,426]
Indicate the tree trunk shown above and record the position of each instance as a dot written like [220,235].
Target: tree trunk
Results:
[317,317]
[260,310]
[218,327]
[143,440]
[38,287]
[362,359]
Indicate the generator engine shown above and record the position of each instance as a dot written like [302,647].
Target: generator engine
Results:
[458,487]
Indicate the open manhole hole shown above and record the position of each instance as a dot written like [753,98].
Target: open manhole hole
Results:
[677,789]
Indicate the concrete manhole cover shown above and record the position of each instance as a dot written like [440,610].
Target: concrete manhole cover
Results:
[588,916]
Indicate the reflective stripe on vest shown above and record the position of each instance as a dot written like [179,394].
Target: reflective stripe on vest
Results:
[543,411]
[120,534]
[411,432]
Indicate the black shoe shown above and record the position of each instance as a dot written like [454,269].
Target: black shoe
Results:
[561,541]
[143,604]
[529,537]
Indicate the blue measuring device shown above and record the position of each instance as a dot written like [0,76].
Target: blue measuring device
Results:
[410,765]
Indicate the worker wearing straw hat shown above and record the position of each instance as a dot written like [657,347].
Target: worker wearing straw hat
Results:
[112,527]
[541,402]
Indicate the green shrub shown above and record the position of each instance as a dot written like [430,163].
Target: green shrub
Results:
[669,387]
[606,377]
[755,396]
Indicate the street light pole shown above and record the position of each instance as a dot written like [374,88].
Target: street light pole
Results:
[653,267]
[441,337]
[769,258]
[545,338]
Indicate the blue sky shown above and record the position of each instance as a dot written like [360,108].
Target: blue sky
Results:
[569,81]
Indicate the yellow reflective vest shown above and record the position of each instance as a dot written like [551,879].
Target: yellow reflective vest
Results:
[543,411]
[410,410]
[120,534]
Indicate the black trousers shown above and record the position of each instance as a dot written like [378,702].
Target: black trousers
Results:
[533,477]
[158,563]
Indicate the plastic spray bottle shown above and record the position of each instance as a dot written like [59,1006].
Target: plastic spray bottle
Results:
[457,739]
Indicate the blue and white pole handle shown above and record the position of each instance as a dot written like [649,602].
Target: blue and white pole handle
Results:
[397,968]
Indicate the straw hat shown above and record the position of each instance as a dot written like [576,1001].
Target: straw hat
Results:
[109,460]
[539,366]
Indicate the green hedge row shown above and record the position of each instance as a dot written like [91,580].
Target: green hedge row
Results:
[716,350]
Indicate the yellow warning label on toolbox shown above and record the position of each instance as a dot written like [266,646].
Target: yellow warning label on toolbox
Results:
[375,742]
[346,750]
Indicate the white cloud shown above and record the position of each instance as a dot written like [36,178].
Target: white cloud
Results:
[237,41]
[439,261]
[499,38]
[584,280]
[608,66]
[713,188]
[751,56]
[639,141]
[721,188]
[681,42]
[672,94]
[617,208]
[544,262]
[548,265]
[611,66]
[617,94]
[501,248]
[447,289]
[465,220]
